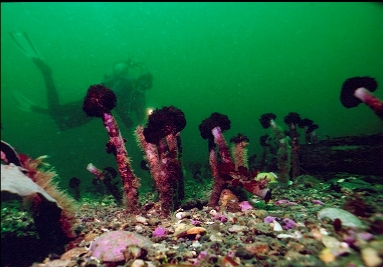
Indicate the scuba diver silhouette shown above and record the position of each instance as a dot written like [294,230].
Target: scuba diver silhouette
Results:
[127,79]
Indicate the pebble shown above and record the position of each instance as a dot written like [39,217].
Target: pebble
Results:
[336,247]
[153,221]
[74,252]
[138,263]
[238,228]
[141,219]
[243,253]
[347,218]
[371,257]
[181,227]
[139,229]
[196,231]
[183,214]
[196,244]
[326,256]
[215,238]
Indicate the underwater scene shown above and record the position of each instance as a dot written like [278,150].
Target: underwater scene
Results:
[191,134]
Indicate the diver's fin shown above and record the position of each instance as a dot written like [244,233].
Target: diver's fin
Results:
[22,102]
[24,43]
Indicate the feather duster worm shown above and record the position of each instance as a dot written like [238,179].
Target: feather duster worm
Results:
[106,176]
[212,129]
[161,143]
[99,102]
[283,155]
[239,150]
[224,171]
[292,120]
[359,89]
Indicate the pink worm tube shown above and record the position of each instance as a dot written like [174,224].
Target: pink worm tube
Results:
[220,141]
[129,180]
[370,100]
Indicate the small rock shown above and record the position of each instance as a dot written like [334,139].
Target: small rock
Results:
[141,219]
[257,248]
[139,229]
[196,244]
[135,252]
[138,263]
[74,252]
[215,238]
[110,246]
[196,231]
[347,218]
[181,227]
[183,214]
[326,256]
[243,253]
[153,221]
[371,257]
[238,228]
[337,248]
[90,236]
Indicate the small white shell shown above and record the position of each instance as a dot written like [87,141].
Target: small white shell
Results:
[179,215]
[277,226]
[213,212]
[284,236]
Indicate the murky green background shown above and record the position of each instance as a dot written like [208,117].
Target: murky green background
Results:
[239,59]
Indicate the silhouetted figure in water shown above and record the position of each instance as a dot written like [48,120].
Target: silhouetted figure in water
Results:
[128,80]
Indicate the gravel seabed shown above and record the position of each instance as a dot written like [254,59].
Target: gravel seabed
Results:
[286,231]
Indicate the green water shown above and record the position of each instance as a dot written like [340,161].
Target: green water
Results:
[239,59]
